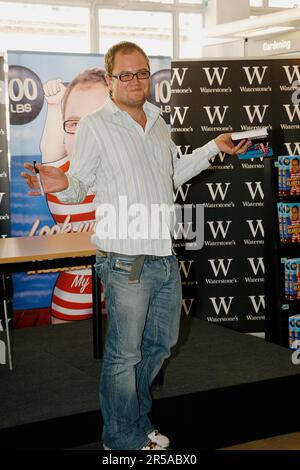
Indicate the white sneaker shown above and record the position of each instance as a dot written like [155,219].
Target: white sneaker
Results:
[160,439]
[150,446]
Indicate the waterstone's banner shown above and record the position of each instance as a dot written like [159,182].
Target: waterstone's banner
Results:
[38,94]
[224,281]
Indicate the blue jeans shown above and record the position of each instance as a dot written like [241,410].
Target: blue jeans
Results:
[143,325]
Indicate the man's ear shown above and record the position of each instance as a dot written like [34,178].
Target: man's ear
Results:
[108,80]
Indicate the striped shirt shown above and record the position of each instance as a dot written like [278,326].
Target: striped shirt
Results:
[128,167]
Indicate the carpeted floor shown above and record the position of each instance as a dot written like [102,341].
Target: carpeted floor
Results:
[232,387]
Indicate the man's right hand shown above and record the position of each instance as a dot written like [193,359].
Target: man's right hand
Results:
[53,179]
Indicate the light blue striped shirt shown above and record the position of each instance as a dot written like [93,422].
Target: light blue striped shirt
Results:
[125,164]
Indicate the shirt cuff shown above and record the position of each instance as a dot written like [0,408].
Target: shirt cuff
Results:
[212,148]
[66,194]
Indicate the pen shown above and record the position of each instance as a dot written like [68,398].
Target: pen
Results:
[37,172]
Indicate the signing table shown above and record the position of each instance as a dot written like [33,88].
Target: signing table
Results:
[22,254]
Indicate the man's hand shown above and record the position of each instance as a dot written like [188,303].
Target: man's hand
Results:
[53,179]
[54,91]
[225,144]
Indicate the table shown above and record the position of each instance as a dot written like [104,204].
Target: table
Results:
[21,254]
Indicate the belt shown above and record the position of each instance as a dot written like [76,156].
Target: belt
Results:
[137,265]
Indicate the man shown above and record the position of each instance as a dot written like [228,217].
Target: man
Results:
[125,151]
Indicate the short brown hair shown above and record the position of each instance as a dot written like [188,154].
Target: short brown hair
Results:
[89,76]
[125,47]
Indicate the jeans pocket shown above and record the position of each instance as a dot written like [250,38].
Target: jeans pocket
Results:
[122,266]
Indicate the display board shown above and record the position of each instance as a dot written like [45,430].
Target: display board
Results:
[224,281]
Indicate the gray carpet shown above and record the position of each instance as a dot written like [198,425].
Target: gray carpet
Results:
[53,388]
[54,373]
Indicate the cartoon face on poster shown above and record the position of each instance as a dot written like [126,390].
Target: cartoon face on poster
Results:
[48,95]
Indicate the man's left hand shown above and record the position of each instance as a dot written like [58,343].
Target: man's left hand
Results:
[225,144]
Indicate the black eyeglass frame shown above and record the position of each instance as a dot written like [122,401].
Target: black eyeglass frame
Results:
[70,120]
[133,75]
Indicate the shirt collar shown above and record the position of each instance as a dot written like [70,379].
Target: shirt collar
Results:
[109,107]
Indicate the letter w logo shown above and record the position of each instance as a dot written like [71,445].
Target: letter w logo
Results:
[258,226]
[217,190]
[291,75]
[292,114]
[255,74]
[257,188]
[221,156]
[182,268]
[216,74]
[222,304]
[296,150]
[182,153]
[186,307]
[220,265]
[183,230]
[176,74]
[220,227]
[180,192]
[179,114]
[256,266]
[259,303]
[257,112]
[216,113]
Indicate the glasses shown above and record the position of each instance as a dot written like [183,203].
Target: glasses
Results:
[128,76]
[70,126]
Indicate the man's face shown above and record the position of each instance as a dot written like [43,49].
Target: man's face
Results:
[83,100]
[295,166]
[134,93]
[295,213]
